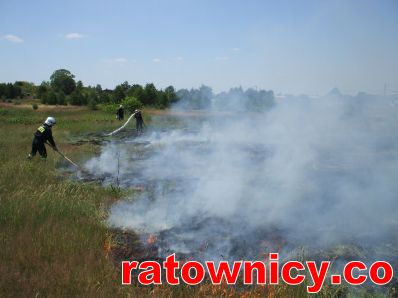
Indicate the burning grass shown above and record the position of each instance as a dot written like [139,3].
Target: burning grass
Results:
[55,242]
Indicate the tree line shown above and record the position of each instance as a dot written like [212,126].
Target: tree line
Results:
[63,89]
[236,99]
[19,89]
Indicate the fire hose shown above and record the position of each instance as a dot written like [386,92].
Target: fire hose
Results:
[64,156]
[120,128]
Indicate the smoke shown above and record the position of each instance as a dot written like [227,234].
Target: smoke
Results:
[307,172]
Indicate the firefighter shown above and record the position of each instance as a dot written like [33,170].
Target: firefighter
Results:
[139,121]
[41,136]
[120,113]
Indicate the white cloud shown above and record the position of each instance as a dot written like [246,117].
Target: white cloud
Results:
[179,58]
[73,35]
[236,49]
[156,60]
[13,38]
[222,58]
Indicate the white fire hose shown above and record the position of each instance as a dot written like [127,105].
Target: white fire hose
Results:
[120,128]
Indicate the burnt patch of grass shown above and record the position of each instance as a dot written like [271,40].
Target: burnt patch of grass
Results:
[53,235]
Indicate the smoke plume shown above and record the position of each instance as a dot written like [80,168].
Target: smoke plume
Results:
[305,172]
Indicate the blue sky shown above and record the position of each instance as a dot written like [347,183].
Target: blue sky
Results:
[287,46]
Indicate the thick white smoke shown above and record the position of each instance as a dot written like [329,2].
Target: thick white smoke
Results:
[314,171]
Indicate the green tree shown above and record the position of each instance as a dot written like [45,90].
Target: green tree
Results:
[61,98]
[259,100]
[150,94]
[92,104]
[137,91]
[42,89]
[50,98]
[76,98]
[26,88]
[171,94]
[98,89]
[10,91]
[99,93]
[162,100]
[2,91]
[18,89]
[63,80]
[92,98]
[205,95]
[120,92]
[79,86]
[125,85]
[183,98]
[195,98]
[106,96]
[131,104]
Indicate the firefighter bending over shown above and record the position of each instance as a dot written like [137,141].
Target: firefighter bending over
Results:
[41,136]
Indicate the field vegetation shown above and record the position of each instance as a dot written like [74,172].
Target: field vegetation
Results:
[53,233]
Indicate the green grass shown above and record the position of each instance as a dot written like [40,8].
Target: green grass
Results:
[53,231]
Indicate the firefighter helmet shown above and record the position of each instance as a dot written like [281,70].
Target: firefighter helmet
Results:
[50,121]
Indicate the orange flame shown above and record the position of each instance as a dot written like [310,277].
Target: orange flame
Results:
[151,239]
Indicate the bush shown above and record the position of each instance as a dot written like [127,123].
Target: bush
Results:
[61,99]
[49,97]
[92,104]
[109,108]
[35,106]
[77,98]
[131,103]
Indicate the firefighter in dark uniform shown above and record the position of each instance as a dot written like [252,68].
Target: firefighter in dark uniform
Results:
[120,113]
[42,135]
[139,121]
